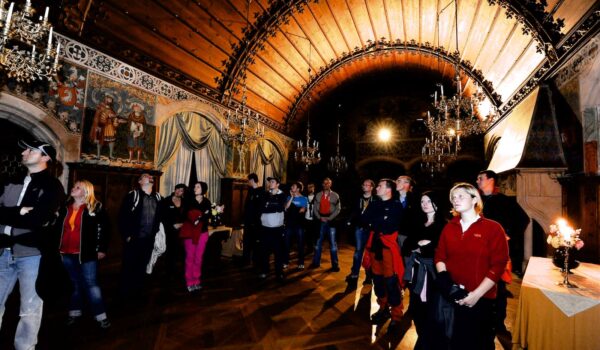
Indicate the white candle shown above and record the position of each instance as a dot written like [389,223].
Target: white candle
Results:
[442,89]
[8,17]
[50,39]
[57,53]
[435,98]
[33,53]
[46,14]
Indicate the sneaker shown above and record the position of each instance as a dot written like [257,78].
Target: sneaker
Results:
[335,268]
[71,320]
[301,267]
[190,288]
[197,287]
[381,315]
[285,266]
[104,324]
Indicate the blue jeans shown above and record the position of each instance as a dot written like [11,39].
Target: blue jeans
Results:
[362,235]
[83,277]
[330,230]
[297,231]
[24,269]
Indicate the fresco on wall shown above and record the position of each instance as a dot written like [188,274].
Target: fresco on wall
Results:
[118,128]
[62,97]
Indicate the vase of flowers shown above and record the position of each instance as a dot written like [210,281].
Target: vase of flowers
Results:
[566,241]
[216,211]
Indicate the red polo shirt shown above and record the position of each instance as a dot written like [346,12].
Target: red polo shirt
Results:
[479,252]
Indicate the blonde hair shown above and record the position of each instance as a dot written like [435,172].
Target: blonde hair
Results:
[472,191]
[89,198]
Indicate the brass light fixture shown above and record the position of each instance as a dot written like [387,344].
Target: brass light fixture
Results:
[26,47]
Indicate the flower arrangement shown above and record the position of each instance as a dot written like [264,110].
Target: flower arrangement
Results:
[216,211]
[563,235]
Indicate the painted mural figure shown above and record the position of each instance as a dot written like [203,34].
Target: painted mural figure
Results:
[136,131]
[104,126]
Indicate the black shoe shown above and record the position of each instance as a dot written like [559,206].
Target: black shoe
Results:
[393,327]
[382,315]
[335,268]
[351,278]
[367,282]
[104,324]
[72,320]
[314,266]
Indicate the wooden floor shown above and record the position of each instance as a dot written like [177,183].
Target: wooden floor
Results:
[312,309]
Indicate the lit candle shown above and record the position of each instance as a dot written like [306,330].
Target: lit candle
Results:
[8,17]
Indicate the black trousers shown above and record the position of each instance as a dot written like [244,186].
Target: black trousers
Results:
[250,241]
[474,326]
[272,242]
[136,255]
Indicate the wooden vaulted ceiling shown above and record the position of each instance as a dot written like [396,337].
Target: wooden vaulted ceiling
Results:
[208,47]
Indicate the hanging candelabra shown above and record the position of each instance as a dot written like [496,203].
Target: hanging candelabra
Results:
[307,152]
[337,163]
[241,128]
[453,117]
[26,50]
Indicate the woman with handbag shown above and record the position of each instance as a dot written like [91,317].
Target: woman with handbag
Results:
[194,233]
[470,259]
[420,273]
[83,227]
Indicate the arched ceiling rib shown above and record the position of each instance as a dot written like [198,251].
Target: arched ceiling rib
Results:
[208,47]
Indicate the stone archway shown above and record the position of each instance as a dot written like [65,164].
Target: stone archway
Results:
[42,126]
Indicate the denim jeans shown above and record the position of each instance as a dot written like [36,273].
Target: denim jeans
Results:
[290,232]
[83,278]
[326,228]
[24,269]
[362,235]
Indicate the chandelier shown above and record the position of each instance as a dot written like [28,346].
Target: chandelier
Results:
[307,152]
[26,51]
[453,117]
[337,163]
[241,129]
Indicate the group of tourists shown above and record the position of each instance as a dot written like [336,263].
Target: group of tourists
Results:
[455,270]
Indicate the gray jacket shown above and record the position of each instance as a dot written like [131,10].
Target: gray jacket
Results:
[334,200]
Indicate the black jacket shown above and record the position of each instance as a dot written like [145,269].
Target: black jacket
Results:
[94,231]
[131,212]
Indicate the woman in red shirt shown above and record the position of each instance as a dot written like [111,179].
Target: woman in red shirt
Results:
[471,256]
[83,227]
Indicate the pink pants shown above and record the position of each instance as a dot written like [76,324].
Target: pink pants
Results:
[193,259]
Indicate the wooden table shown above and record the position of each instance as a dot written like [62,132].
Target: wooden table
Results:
[550,316]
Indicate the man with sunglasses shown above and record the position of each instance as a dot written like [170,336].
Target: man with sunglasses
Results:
[27,207]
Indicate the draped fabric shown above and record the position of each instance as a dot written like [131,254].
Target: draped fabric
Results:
[194,132]
[208,173]
[266,160]
[178,171]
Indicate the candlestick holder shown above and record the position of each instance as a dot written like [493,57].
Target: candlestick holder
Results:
[566,283]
